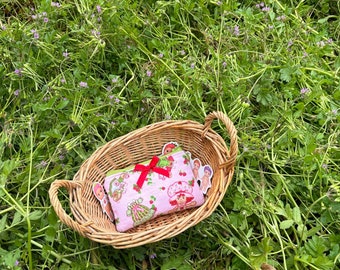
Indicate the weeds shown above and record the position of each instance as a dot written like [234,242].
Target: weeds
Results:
[75,74]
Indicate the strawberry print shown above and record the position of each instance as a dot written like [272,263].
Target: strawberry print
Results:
[134,204]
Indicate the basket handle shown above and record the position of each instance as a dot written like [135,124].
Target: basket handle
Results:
[232,133]
[64,217]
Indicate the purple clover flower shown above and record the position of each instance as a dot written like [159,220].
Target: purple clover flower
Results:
[182,52]
[43,163]
[35,34]
[117,100]
[83,84]
[192,65]
[281,18]
[161,55]
[95,33]
[263,7]
[62,80]
[148,73]
[18,71]
[99,9]
[260,5]
[236,30]
[65,54]
[320,44]
[3,27]
[45,20]
[304,91]
[153,256]
[114,80]
[224,64]
[17,92]
[55,4]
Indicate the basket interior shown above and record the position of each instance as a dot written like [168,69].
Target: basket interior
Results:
[140,146]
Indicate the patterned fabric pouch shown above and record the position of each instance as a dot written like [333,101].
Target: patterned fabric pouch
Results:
[162,185]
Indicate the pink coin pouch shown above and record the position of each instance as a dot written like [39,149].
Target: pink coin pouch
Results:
[160,186]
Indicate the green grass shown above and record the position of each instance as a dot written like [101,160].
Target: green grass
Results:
[76,76]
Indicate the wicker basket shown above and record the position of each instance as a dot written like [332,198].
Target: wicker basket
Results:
[137,146]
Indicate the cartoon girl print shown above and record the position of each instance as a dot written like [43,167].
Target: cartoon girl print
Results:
[139,212]
[206,179]
[196,166]
[118,187]
[181,197]
[167,148]
[98,191]
[170,165]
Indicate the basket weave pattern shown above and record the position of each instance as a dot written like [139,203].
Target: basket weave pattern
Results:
[88,218]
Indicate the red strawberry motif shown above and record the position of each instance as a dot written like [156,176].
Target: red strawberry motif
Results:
[181,173]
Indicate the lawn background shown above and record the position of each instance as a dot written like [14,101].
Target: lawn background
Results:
[76,74]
